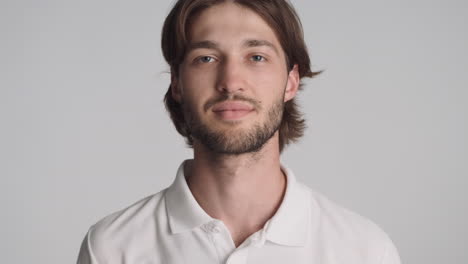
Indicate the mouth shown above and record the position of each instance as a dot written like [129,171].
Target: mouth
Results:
[232,110]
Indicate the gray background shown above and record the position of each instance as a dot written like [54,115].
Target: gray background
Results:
[84,132]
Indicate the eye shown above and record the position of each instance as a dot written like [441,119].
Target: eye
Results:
[205,59]
[258,58]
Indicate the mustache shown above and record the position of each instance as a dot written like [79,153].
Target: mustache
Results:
[231,97]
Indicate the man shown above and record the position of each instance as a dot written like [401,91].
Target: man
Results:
[236,67]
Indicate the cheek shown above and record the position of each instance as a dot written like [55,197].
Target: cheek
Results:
[196,83]
[197,79]
[197,88]
[270,84]
[194,100]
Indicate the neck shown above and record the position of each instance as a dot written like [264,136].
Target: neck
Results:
[244,191]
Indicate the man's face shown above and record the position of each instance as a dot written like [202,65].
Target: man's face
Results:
[233,81]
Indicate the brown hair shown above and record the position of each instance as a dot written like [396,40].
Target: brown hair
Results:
[281,17]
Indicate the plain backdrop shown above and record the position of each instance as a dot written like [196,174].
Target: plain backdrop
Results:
[84,132]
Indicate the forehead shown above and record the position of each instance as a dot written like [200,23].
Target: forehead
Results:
[229,23]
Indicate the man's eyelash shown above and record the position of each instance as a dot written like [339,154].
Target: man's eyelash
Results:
[201,59]
[262,58]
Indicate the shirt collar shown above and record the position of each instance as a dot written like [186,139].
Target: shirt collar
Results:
[289,226]
[291,222]
[183,210]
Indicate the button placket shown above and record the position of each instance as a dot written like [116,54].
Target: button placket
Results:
[215,229]
[220,238]
[258,239]
[239,256]
[211,227]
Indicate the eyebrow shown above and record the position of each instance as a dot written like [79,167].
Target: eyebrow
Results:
[206,44]
[258,43]
[250,43]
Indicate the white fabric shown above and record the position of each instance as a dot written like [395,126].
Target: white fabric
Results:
[170,227]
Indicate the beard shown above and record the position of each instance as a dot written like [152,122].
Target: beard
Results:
[235,141]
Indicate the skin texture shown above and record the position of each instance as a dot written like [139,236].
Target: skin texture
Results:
[232,84]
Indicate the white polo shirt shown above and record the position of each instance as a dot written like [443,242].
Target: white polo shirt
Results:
[170,227]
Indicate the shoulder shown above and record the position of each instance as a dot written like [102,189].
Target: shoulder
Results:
[342,219]
[349,231]
[124,229]
[137,213]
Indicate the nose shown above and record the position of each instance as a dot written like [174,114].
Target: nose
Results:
[230,77]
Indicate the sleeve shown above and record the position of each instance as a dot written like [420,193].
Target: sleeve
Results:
[86,255]
[391,255]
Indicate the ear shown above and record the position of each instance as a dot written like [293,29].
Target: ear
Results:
[292,85]
[175,89]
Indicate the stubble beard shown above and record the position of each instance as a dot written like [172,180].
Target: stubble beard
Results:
[236,141]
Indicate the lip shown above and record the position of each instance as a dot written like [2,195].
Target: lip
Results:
[232,106]
[232,110]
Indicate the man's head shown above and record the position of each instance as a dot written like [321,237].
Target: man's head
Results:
[236,67]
